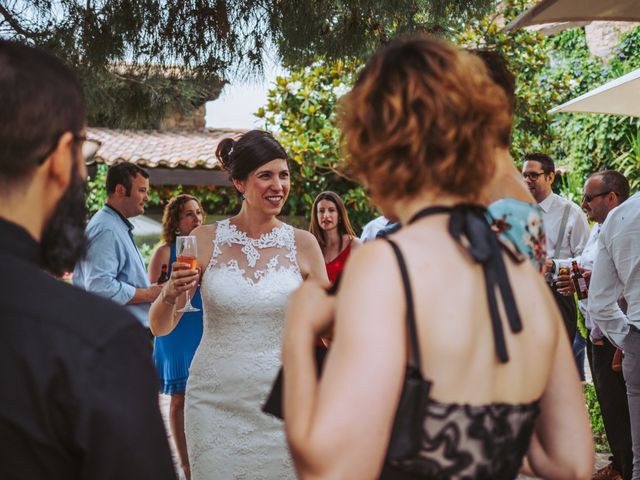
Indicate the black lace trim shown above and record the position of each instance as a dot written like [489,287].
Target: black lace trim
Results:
[469,442]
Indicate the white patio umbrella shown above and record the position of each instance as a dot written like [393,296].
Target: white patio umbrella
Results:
[571,11]
[620,96]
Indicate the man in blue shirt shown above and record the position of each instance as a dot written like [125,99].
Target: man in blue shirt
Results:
[113,267]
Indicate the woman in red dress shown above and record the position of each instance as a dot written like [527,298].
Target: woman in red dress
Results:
[331,227]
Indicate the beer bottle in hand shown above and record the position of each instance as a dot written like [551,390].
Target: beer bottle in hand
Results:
[164,274]
[579,282]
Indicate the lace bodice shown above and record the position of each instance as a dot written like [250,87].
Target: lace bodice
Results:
[259,256]
[244,291]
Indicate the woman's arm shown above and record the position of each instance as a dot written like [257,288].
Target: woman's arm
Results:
[160,257]
[164,315]
[339,427]
[562,445]
[355,243]
[310,259]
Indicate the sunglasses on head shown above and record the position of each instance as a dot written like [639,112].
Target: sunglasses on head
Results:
[90,147]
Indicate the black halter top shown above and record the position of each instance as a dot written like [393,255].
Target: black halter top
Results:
[461,441]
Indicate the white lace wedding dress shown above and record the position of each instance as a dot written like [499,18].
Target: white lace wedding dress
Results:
[244,292]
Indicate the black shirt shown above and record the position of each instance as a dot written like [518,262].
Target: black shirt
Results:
[79,395]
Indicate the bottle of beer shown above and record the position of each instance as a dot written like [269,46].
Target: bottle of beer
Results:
[579,282]
[164,274]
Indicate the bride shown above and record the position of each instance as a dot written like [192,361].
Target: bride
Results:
[250,263]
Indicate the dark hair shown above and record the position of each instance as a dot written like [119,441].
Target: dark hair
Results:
[545,160]
[344,225]
[252,150]
[171,216]
[40,99]
[123,174]
[500,74]
[424,115]
[614,181]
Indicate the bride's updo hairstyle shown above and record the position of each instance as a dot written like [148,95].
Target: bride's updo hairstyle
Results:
[423,116]
[252,150]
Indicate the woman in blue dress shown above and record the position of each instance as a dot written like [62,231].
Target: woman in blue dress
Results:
[172,354]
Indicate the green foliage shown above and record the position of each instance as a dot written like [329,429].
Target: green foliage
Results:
[591,142]
[96,190]
[301,111]
[139,59]
[628,162]
[571,183]
[354,30]
[529,57]
[597,425]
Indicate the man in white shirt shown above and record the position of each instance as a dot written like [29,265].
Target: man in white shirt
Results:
[566,226]
[617,272]
[604,191]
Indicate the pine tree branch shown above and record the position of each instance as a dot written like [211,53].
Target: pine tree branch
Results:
[17,27]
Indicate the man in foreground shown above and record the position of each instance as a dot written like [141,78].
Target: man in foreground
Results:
[79,392]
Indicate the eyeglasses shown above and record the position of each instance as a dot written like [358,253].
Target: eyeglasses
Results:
[90,147]
[588,198]
[532,175]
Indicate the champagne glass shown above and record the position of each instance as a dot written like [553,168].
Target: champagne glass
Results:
[187,251]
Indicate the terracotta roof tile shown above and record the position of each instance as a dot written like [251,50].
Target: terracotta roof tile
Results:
[160,148]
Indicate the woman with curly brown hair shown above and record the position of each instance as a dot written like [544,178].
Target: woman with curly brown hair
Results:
[331,226]
[173,353]
[438,367]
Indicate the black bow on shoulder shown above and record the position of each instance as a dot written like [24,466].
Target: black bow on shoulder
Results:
[470,227]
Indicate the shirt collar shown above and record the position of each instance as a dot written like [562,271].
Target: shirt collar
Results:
[122,217]
[17,242]
[545,205]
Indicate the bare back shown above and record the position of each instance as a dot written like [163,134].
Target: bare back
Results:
[456,337]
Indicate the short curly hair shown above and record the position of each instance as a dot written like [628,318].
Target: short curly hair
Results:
[423,115]
[171,216]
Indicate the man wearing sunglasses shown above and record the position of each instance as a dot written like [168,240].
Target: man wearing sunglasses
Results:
[79,391]
[603,191]
[567,229]
[616,272]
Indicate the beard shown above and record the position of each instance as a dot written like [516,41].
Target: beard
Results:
[63,240]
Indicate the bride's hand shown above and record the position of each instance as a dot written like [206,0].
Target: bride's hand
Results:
[182,279]
[310,306]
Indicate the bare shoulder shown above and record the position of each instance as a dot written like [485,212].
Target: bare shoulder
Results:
[371,257]
[205,231]
[163,250]
[304,240]
[355,242]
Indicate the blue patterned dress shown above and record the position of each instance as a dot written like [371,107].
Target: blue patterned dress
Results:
[520,226]
[172,354]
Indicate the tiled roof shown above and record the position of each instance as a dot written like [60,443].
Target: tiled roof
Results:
[160,148]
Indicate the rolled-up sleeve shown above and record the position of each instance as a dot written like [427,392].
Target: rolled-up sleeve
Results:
[104,256]
[604,291]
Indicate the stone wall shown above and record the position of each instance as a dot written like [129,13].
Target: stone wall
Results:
[192,120]
[603,37]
